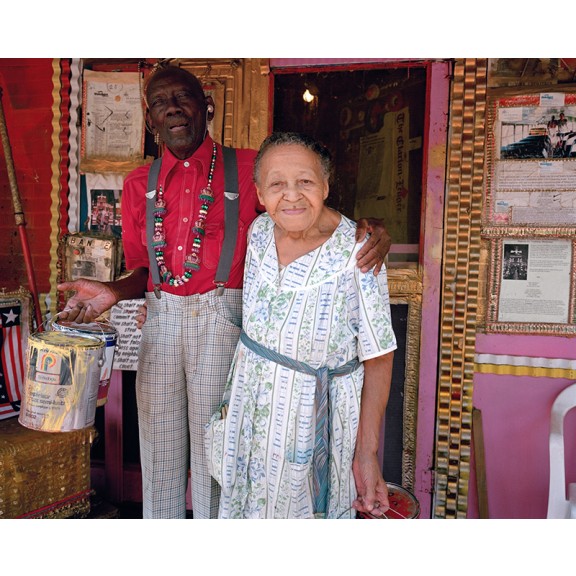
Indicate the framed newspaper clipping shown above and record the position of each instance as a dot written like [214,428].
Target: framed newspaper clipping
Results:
[532,275]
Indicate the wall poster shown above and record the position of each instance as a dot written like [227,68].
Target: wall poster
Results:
[112,121]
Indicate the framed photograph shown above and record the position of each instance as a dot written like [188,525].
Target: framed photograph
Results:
[532,282]
[531,160]
[105,213]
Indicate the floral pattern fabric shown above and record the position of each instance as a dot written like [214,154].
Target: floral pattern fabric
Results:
[321,310]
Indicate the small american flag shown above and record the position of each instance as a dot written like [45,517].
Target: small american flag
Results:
[12,367]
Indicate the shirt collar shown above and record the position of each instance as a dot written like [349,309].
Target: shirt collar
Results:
[203,156]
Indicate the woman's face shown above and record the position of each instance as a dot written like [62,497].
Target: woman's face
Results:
[292,186]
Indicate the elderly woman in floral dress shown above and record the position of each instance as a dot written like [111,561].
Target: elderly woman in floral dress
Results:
[298,432]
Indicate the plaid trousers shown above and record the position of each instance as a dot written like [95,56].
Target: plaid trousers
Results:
[187,347]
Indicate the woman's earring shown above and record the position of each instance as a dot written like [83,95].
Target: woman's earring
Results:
[157,138]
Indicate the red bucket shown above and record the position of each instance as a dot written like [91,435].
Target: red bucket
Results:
[403,505]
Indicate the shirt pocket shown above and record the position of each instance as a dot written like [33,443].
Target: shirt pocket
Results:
[212,245]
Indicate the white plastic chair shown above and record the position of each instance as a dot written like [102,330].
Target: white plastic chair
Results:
[558,505]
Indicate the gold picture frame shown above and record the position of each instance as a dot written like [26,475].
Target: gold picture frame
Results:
[531,281]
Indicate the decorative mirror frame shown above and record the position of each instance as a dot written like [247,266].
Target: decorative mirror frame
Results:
[405,287]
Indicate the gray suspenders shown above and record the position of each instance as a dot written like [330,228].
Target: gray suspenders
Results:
[150,205]
[231,199]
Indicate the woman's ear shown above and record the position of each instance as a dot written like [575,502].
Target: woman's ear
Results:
[259,194]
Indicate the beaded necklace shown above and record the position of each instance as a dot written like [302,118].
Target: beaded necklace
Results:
[192,261]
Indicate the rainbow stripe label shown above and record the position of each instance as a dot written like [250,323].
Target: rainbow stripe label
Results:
[48,367]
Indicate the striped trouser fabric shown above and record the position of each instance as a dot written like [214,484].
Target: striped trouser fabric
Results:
[188,343]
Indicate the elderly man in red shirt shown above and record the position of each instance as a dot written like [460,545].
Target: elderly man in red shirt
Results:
[193,312]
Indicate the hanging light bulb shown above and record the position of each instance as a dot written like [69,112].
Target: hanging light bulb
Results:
[307,96]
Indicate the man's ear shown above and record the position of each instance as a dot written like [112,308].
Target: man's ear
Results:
[209,108]
[148,122]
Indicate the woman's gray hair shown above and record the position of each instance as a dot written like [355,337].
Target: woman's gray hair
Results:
[283,138]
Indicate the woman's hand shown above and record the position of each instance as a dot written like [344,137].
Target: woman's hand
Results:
[377,246]
[372,490]
[371,487]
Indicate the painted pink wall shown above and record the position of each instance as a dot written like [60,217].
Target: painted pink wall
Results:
[516,423]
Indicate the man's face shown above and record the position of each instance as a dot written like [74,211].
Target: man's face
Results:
[177,111]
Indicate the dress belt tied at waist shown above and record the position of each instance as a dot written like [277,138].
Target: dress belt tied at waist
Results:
[322,406]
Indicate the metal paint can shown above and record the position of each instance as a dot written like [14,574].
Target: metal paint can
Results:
[62,380]
[105,332]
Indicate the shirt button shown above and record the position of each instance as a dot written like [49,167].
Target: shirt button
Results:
[187,190]
[186,164]
[180,248]
[184,219]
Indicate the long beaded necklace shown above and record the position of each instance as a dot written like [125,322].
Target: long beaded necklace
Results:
[192,261]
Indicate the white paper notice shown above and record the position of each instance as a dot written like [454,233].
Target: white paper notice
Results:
[123,318]
[535,283]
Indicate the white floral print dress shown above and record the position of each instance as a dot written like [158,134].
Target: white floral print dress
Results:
[320,310]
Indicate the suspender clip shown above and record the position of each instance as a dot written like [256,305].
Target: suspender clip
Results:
[157,291]
[220,288]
